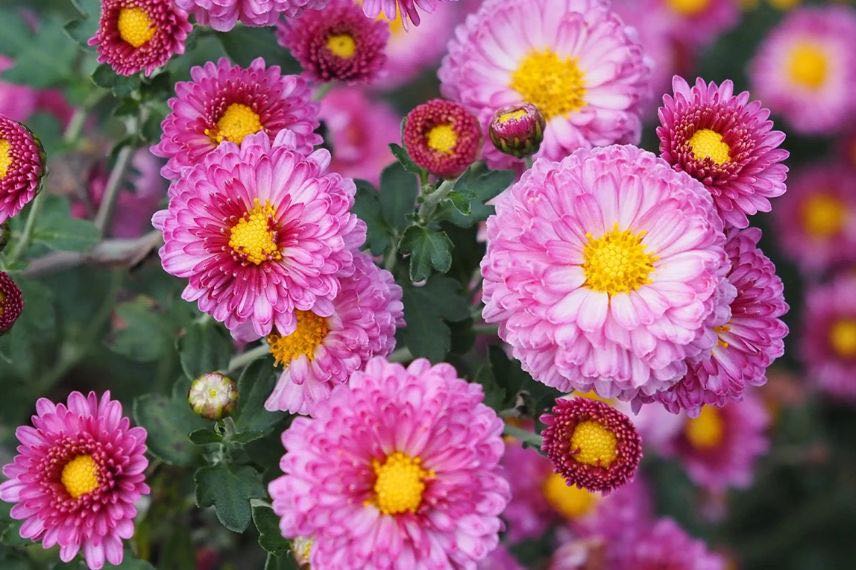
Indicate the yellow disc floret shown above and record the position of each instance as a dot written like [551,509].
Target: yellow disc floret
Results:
[706,143]
[342,45]
[5,157]
[808,65]
[253,238]
[135,26]
[707,430]
[555,85]
[237,122]
[842,337]
[593,444]
[823,215]
[570,501]
[80,476]
[400,483]
[688,7]
[617,261]
[442,138]
[310,333]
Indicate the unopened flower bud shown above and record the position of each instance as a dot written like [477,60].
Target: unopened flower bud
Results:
[213,396]
[517,130]
[11,303]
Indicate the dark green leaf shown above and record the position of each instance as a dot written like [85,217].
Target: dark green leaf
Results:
[146,336]
[243,45]
[168,421]
[205,436]
[205,347]
[494,394]
[46,58]
[398,190]
[122,86]
[281,562]
[270,537]
[367,208]
[400,153]
[254,387]
[57,230]
[85,24]
[475,187]
[427,248]
[229,489]
[426,309]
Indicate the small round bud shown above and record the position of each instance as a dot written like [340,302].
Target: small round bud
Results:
[213,396]
[11,303]
[517,130]
[442,137]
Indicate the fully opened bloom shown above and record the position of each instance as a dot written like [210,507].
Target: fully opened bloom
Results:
[442,137]
[725,141]
[407,10]
[222,15]
[226,102]
[22,165]
[602,269]
[260,231]
[77,476]
[397,469]
[140,35]
[323,351]
[805,69]
[11,303]
[666,545]
[573,59]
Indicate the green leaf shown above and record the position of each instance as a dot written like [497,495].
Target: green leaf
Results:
[56,229]
[229,489]
[85,24]
[398,190]
[47,57]
[270,537]
[426,309]
[427,248]
[367,208]
[146,336]
[205,436]
[169,421]
[466,205]
[254,387]
[122,86]
[280,562]
[401,154]
[494,394]
[243,45]
[205,347]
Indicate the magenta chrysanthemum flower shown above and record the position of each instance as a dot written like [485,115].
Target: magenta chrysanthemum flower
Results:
[726,142]
[573,59]
[442,137]
[806,69]
[222,15]
[323,351]
[602,269]
[828,342]
[226,102]
[77,476]
[337,43]
[697,22]
[260,231]
[666,545]
[816,219]
[22,165]
[500,559]
[397,469]
[407,10]
[11,302]
[140,35]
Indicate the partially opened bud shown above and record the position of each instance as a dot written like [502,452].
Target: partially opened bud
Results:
[213,396]
[517,130]
[11,303]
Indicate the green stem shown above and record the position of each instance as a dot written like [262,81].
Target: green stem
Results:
[247,357]
[392,256]
[29,225]
[524,435]
[105,212]
[432,200]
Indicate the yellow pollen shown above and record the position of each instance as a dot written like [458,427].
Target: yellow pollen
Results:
[236,123]
[593,444]
[310,333]
[709,144]
[5,157]
[808,65]
[342,45]
[842,337]
[617,261]
[442,138]
[705,431]
[688,7]
[135,26]
[253,238]
[721,330]
[400,483]
[570,501]
[556,86]
[823,215]
[512,115]
[80,476]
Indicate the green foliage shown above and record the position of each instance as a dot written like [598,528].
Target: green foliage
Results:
[229,489]
[169,420]
[205,347]
[254,386]
[428,248]
[427,310]
[270,537]
[243,45]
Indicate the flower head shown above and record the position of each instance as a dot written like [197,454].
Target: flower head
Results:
[260,231]
[406,10]
[696,22]
[666,545]
[139,35]
[397,468]
[442,137]
[213,396]
[77,476]
[226,102]
[222,15]
[22,165]
[727,143]
[517,129]
[11,303]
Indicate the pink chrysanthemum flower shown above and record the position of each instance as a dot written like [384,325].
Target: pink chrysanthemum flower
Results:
[726,142]
[360,129]
[816,219]
[602,269]
[226,102]
[338,43]
[828,342]
[77,476]
[260,231]
[17,102]
[442,137]
[140,35]
[719,447]
[11,302]
[806,69]
[323,351]
[666,545]
[697,22]
[222,15]
[22,165]
[397,469]
[500,559]
[407,10]
[573,59]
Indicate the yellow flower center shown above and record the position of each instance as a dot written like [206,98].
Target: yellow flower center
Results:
[253,238]
[342,45]
[556,86]
[617,261]
[237,122]
[705,431]
[5,157]
[400,483]
[808,65]
[442,138]
[570,501]
[707,143]
[842,337]
[823,215]
[80,476]
[135,26]
[593,444]
[310,333]
[688,7]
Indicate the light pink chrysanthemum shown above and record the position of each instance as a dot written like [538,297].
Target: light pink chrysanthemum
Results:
[226,102]
[222,15]
[260,231]
[78,473]
[17,102]
[140,35]
[22,165]
[666,545]
[726,142]
[816,219]
[573,59]
[323,351]
[696,23]
[805,69]
[397,469]
[407,10]
[601,271]
[360,129]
